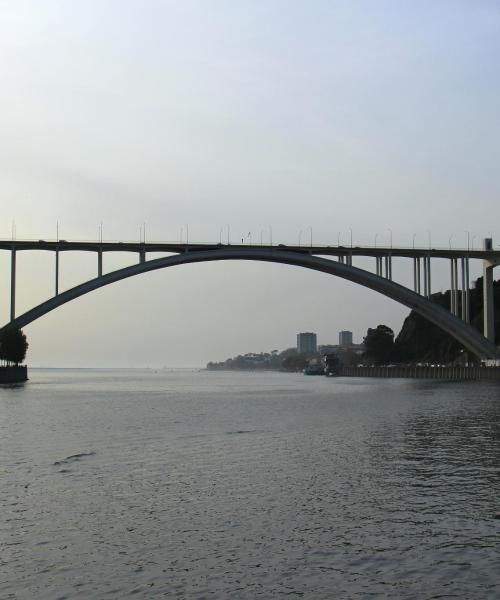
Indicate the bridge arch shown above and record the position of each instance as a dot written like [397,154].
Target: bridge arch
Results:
[460,330]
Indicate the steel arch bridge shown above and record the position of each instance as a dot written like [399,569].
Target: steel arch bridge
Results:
[455,321]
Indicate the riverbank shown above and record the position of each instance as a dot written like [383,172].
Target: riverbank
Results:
[428,372]
[13,374]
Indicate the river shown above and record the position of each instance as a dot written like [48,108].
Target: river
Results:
[194,484]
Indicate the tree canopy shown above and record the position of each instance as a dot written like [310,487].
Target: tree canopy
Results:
[379,344]
[13,345]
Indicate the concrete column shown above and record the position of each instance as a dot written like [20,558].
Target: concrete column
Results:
[388,267]
[455,268]
[462,290]
[142,256]
[429,286]
[57,273]
[12,284]
[418,277]
[415,286]
[467,291]
[488,308]
[426,279]
[99,262]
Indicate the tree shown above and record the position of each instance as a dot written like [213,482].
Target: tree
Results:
[13,345]
[379,344]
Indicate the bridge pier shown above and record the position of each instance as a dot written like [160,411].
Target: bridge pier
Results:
[142,256]
[453,286]
[488,306]
[12,284]
[57,273]
[99,262]
[416,275]
[427,276]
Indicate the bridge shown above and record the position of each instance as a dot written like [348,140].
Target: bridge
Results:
[334,260]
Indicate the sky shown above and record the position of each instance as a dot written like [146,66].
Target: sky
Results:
[319,116]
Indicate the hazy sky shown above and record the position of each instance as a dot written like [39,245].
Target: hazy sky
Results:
[329,114]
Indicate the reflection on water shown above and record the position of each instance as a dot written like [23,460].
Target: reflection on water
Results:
[225,485]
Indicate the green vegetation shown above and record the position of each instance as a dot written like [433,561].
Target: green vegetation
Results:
[379,345]
[288,360]
[13,345]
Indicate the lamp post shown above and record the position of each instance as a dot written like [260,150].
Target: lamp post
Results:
[350,230]
[227,226]
[261,237]
[338,239]
[449,240]
[413,240]
[310,235]
[390,234]
[300,237]
[468,240]
[376,236]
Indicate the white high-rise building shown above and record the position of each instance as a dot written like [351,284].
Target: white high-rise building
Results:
[307,343]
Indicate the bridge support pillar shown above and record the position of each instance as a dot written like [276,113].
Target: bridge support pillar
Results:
[12,284]
[142,256]
[464,292]
[380,271]
[488,307]
[416,275]
[388,267]
[99,262]
[467,291]
[427,277]
[57,273]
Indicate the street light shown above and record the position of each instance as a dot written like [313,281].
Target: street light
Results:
[338,239]
[376,236]
[227,234]
[413,241]
[311,234]
[390,233]
[300,236]
[261,237]
[220,235]
[350,229]
[449,240]
[468,240]
[187,233]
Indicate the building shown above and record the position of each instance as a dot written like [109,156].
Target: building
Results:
[307,343]
[345,338]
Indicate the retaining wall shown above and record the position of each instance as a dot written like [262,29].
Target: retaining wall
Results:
[457,373]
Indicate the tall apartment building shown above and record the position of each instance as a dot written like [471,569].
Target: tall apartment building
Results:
[345,338]
[307,343]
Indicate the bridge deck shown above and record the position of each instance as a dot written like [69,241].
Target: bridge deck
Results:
[179,247]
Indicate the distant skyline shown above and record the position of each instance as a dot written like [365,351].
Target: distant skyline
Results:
[325,116]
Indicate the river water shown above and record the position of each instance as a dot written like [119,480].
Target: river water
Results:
[145,484]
